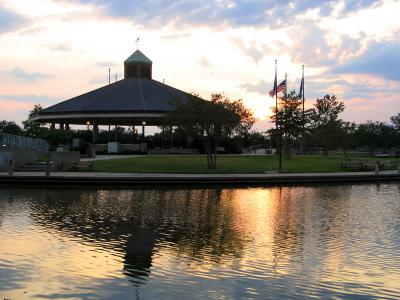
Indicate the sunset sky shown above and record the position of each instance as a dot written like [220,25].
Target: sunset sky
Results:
[52,50]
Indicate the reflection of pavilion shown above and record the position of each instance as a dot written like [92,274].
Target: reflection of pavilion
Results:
[135,100]
[137,223]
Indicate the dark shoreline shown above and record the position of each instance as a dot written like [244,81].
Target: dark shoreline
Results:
[165,180]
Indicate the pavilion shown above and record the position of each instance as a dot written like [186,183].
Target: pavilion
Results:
[137,99]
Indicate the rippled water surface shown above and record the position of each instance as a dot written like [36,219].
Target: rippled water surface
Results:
[289,242]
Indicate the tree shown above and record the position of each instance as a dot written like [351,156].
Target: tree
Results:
[56,137]
[395,120]
[211,120]
[347,133]
[31,128]
[326,127]
[289,118]
[376,135]
[10,127]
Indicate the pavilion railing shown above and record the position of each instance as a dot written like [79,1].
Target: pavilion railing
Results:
[10,141]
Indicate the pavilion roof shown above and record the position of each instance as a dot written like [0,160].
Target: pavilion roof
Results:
[127,95]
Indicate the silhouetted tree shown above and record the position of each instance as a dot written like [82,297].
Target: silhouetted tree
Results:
[31,128]
[395,120]
[289,118]
[326,127]
[374,134]
[211,120]
[10,127]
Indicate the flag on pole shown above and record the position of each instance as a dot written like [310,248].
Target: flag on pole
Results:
[281,87]
[273,91]
[301,88]
[277,89]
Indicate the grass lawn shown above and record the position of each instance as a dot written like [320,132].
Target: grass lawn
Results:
[239,164]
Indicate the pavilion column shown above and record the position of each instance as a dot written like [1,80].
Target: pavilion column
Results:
[61,126]
[133,134]
[95,132]
[67,126]
[116,133]
[52,126]
[109,132]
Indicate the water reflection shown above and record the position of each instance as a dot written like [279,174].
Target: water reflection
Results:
[292,242]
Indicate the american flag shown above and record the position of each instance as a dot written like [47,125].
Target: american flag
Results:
[301,93]
[272,92]
[280,88]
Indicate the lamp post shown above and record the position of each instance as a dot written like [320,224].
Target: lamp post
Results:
[143,124]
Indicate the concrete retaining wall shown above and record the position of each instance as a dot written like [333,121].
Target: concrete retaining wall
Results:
[59,157]
[18,157]
[116,147]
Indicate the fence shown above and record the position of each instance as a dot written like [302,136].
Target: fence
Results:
[9,141]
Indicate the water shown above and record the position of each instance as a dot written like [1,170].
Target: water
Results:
[290,242]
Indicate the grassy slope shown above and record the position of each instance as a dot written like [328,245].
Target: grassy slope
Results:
[225,164]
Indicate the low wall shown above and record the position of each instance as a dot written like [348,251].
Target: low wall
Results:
[18,157]
[59,157]
[115,147]
[133,148]
[174,151]
[101,148]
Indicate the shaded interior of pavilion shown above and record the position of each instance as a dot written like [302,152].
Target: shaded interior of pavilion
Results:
[134,137]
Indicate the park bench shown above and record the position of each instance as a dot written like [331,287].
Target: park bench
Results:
[368,165]
[67,165]
[221,150]
[357,165]
[387,165]
[351,165]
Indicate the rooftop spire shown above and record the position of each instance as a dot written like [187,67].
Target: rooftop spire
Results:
[138,65]
[137,43]
[138,57]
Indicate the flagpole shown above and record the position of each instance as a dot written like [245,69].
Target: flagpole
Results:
[280,131]
[303,96]
[286,85]
[276,94]
[303,110]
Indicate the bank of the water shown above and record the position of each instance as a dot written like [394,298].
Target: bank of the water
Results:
[101,178]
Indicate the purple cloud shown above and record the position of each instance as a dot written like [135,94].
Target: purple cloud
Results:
[21,74]
[236,13]
[10,21]
[381,59]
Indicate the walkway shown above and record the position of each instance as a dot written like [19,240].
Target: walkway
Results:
[108,156]
[96,178]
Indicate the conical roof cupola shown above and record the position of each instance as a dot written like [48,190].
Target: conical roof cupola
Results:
[138,65]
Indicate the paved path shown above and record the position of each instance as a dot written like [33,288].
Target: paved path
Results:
[82,178]
[107,157]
